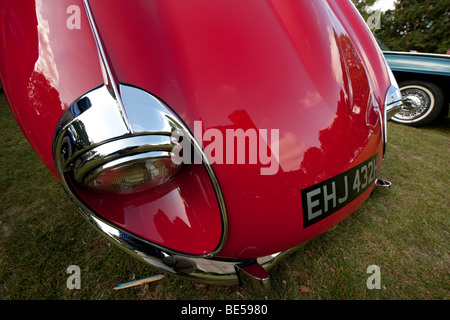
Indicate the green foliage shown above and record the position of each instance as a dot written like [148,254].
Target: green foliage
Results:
[421,25]
[363,7]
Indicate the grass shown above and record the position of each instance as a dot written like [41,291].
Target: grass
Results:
[403,230]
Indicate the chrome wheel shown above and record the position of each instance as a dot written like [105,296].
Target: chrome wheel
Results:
[419,102]
[423,105]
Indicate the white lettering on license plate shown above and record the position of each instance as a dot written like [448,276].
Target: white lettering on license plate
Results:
[323,199]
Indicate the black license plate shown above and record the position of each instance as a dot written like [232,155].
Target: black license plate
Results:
[323,199]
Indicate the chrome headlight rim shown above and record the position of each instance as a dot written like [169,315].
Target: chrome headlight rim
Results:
[78,147]
[123,105]
[393,102]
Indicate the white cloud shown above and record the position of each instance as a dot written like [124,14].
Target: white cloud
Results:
[383,5]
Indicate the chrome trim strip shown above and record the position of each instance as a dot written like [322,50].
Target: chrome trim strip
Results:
[109,77]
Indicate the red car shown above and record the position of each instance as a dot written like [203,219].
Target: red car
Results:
[205,137]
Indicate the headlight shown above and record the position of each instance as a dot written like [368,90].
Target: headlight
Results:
[133,174]
[392,103]
[123,171]
[126,165]
[115,142]
[107,158]
[113,150]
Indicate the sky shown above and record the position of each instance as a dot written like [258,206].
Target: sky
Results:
[383,5]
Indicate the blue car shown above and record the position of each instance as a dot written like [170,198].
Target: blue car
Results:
[424,79]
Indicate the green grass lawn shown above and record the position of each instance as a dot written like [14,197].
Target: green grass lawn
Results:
[403,230]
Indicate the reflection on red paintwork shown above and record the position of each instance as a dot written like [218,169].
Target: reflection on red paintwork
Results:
[309,69]
[182,215]
[211,63]
[48,67]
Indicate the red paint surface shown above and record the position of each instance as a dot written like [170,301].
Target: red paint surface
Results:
[44,66]
[304,68]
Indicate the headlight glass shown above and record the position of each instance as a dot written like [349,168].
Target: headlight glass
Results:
[131,176]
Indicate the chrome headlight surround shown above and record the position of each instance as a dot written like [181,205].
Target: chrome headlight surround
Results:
[92,137]
[393,102]
[92,134]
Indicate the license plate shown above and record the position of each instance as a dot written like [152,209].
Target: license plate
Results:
[323,199]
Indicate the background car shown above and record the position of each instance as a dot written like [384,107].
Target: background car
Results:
[424,80]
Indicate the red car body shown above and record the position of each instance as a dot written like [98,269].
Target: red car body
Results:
[310,70]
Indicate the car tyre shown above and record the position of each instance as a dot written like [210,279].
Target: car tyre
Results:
[426,102]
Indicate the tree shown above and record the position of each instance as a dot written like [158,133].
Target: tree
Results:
[422,25]
[363,7]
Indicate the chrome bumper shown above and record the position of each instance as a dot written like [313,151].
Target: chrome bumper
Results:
[250,273]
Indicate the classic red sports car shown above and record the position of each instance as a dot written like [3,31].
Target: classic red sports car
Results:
[205,137]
